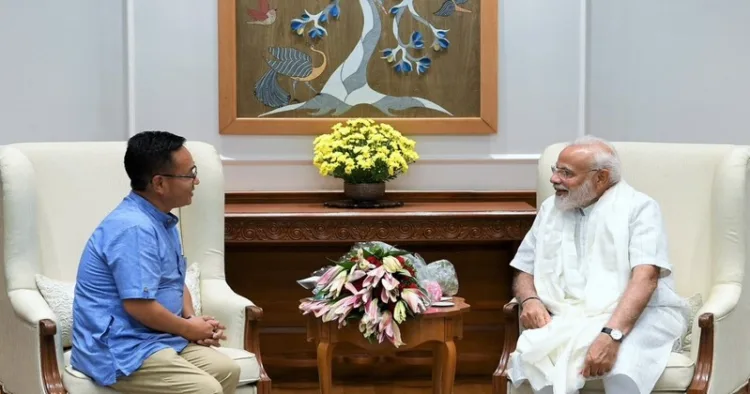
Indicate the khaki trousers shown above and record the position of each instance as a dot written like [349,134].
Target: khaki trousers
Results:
[196,370]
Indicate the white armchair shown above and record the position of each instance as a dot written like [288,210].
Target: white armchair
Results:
[53,196]
[703,193]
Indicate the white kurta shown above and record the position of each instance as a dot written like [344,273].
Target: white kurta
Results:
[581,262]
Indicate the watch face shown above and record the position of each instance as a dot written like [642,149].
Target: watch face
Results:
[616,335]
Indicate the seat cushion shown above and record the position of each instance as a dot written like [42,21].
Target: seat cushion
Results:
[76,382]
[676,377]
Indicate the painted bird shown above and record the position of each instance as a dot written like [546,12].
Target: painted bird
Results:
[451,6]
[264,15]
[296,65]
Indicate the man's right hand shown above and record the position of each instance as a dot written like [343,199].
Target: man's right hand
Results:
[198,329]
[534,314]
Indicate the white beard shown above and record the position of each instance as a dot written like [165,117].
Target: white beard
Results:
[576,198]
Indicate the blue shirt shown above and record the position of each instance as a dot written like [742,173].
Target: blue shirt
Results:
[135,253]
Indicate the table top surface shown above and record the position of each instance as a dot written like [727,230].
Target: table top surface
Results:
[443,311]
[483,208]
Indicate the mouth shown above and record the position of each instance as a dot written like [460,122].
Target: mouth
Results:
[560,193]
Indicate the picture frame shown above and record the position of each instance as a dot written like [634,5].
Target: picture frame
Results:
[484,120]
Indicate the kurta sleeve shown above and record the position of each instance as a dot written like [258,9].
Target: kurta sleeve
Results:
[524,258]
[648,238]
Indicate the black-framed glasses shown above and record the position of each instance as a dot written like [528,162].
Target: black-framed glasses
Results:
[193,174]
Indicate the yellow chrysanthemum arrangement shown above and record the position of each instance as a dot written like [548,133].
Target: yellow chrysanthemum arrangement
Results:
[363,151]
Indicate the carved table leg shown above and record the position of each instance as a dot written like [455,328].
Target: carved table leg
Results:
[438,355]
[445,366]
[325,371]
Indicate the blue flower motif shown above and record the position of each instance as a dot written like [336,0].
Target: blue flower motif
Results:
[335,11]
[305,16]
[416,40]
[441,33]
[423,64]
[323,18]
[298,26]
[394,10]
[389,55]
[440,44]
[403,67]
[316,33]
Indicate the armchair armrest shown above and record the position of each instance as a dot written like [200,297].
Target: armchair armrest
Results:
[722,322]
[35,326]
[240,316]
[511,332]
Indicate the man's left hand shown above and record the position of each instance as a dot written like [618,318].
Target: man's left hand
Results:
[601,357]
[218,333]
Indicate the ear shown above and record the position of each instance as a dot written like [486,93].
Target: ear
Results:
[157,183]
[602,177]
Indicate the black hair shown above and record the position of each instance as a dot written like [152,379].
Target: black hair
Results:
[148,154]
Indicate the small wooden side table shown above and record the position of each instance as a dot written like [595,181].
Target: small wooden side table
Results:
[440,325]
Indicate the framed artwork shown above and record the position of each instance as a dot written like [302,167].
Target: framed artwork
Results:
[300,66]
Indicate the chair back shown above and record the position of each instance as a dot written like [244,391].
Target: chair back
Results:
[55,194]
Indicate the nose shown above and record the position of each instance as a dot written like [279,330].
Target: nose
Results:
[555,179]
[197,181]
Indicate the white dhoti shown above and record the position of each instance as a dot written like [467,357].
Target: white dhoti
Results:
[581,267]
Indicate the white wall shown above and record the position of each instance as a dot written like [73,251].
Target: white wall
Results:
[674,70]
[670,70]
[62,70]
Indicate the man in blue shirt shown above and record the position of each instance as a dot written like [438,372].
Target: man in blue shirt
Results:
[134,327]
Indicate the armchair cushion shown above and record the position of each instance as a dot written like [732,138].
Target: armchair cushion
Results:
[59,297]
[193,283]
[676,377]
[76,382]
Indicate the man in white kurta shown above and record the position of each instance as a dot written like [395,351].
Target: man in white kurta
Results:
[594,282]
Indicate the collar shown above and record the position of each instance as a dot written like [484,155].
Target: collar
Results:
[167,219]
[586,210]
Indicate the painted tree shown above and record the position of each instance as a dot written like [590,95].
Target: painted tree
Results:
[347,86]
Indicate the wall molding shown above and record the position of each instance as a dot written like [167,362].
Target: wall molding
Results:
[530,158]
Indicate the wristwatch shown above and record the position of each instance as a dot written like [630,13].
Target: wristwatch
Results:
[614,333]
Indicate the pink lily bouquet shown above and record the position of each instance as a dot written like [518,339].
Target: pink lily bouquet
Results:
[374,285]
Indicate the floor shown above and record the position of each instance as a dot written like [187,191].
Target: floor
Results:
[402,387]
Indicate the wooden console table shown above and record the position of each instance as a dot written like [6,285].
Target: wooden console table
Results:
[439,327]
[274,239]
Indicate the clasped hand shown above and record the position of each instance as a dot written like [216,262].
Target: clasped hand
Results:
[205,330]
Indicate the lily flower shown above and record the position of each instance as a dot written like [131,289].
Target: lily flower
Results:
[399,312]
[391,264]
[361,261]
[389,330]
[329,275]
[414,299]
[388,296]
[336,284]
[374,276]
[389,282]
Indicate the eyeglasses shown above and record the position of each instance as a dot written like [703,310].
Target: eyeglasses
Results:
[565,173]
[193,174]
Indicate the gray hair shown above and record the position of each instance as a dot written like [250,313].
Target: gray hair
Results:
[605,156]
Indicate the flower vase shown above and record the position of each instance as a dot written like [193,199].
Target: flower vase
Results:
[364,192]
